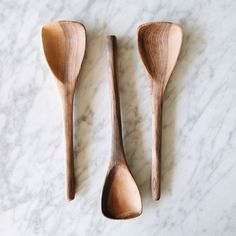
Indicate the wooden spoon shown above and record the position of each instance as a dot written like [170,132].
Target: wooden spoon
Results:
[121,198]
[64,47]
[159,46]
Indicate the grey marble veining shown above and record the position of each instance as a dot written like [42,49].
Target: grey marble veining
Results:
[199,121]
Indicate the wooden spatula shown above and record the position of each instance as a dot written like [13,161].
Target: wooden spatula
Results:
[120,198]
[64,47]
[159,46]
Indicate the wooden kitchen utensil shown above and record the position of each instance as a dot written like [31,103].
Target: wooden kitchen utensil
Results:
[159,46]
[64,48]
[120,198]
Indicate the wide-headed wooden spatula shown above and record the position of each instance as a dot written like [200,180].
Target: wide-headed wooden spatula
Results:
[159,46]
[120,198]
[64,47]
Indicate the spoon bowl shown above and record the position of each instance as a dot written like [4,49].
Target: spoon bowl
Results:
[121,199]
[64,48]
[159,45]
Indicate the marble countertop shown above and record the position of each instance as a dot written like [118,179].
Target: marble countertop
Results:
[199,121]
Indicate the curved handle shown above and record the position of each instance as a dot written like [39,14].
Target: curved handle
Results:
[157,93]
[117,144]
[68,126]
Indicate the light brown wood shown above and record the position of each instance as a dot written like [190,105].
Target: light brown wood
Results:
[120,198]
[64,48]
[159,45]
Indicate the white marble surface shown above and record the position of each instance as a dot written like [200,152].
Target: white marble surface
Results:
[199,121]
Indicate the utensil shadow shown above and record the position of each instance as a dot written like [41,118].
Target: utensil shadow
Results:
[131,116]
[83,112]
[192,41]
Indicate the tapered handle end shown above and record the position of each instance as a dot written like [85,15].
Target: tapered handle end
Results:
[156,177]
[156,188]
[70,191]
[70,173]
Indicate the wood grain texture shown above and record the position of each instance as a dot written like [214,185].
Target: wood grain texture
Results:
[121,198]
[159,45]
[64,48]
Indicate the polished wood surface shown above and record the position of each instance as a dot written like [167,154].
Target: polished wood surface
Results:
[159,45]
[120,198]
[64,48]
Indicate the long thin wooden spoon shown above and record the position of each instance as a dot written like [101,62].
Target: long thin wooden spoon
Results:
[120,198]
[64,48]
[159,45]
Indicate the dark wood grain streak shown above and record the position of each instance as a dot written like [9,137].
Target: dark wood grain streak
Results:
[159,45]
[64,47]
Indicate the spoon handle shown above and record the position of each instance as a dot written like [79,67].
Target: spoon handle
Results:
[68,126]
[117,144]
[156,133]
